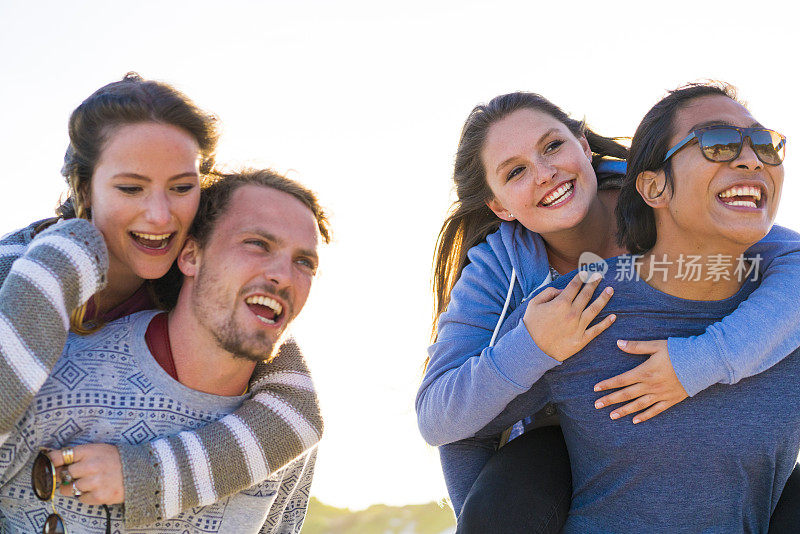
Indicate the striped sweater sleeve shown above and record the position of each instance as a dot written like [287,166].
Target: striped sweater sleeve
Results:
[278,423]
[43,280]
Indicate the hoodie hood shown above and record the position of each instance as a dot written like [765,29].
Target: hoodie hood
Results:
[526,254]
[524,259]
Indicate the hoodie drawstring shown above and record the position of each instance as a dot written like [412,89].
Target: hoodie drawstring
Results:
[505,306]
[547,280]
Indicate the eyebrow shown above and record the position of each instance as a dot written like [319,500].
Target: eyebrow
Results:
[278,241]
[720,122]
[147,179]
[507,161]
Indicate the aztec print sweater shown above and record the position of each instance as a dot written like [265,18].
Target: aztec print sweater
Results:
[107,387]
[43,279]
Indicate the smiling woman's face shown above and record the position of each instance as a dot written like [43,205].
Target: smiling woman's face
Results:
[144,195]
[734,201]
[538,171]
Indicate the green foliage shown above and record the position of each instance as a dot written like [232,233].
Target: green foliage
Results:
[428,518]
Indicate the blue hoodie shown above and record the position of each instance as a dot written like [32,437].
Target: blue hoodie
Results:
[468,382]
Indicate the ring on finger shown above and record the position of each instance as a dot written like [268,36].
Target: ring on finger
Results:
[75,491]
[68,455]
[66,478]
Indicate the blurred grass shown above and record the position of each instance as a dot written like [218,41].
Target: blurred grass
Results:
[428,518]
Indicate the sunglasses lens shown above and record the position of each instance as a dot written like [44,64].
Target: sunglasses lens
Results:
[53,525]
[720,144]
[769,146]
[43,477]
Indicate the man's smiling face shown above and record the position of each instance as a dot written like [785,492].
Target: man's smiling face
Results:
[254,274]
[734,201]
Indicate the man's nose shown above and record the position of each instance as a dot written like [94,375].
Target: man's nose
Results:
[279,271]
[747,158]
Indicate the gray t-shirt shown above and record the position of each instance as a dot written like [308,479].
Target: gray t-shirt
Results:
[108,388]
[716,462]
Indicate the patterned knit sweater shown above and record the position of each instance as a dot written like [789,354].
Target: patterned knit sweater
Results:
[43,279]
[107,387]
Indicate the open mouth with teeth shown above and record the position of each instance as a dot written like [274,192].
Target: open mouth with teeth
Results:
[152,241]
[558,196]
[747,196]
[268,311]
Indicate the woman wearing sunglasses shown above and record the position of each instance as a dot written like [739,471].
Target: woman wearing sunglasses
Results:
[529,162]
[138,152]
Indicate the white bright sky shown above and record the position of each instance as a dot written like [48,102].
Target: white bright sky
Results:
[364,101]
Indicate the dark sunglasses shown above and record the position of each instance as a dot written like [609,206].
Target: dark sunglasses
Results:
[43,480]
[722,143]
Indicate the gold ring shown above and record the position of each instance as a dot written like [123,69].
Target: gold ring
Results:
[68,455]
[75,491]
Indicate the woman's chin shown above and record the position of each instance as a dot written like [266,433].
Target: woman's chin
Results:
[152,270]
[566,219]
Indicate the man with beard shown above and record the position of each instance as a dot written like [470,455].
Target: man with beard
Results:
[247,270]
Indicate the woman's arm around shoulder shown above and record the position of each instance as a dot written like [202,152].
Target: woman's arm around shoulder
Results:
[278,423]
[762,331]
[467,383]
[43,279]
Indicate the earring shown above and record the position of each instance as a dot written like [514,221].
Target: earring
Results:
[510,214]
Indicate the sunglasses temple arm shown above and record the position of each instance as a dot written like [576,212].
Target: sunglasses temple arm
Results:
[682,143]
